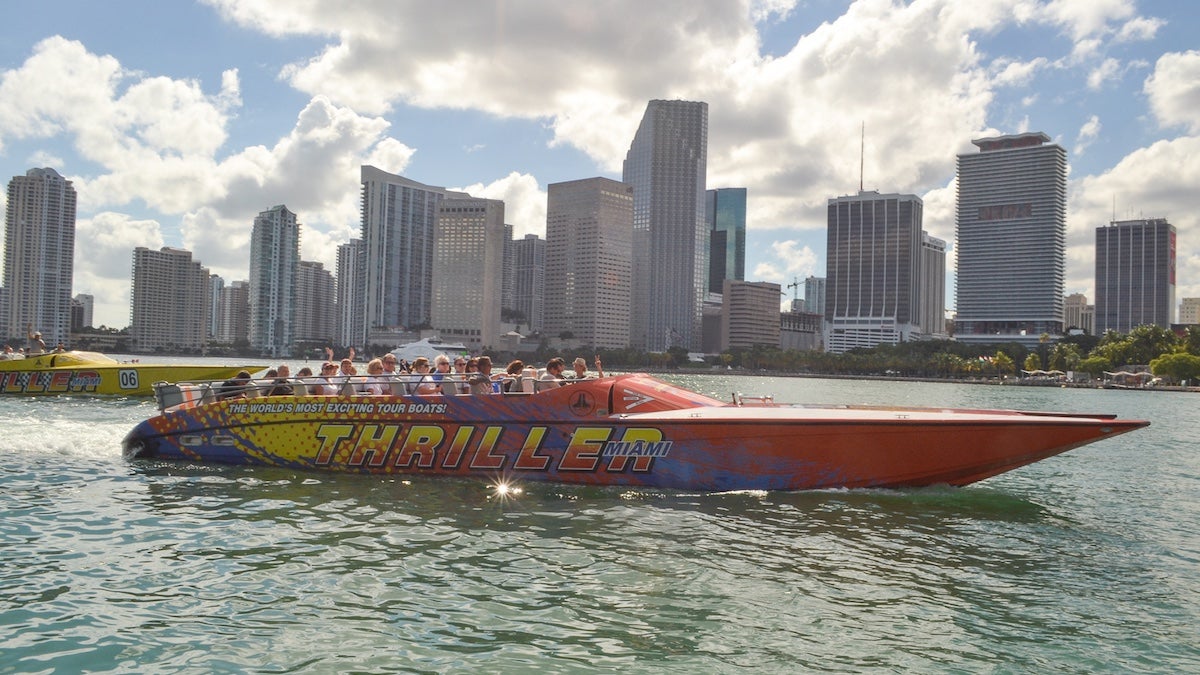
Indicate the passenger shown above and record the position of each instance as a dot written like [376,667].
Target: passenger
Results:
[389,365]
[512,380]
[581,371]
[376,383]
[280,386]
[458,377]
[553,375]
[483,382]
[348,375]
[325,385]
[442,376]
[9,354]
[234,388]
[36,346]
[421,381]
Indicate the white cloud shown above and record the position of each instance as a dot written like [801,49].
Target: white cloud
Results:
[104,246]
[1139,29]
[1087,133]
[1016,73]
[1174,90]
[1107,70]
[1154,182]
[1085,18]
[524,202]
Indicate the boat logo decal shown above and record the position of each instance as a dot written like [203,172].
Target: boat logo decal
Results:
[444,447]
[338,408]
[49,382]
[583,403]
[633,399]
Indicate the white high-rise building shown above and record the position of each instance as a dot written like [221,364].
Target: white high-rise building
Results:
[931,312]
[39,257]
[1078,314]
[1011,249]
[468,271]
[350,288]
[274,255]
[1189,311]
[589,242]
[169,301]
[233,313]
[666,165]
[86,304]
[398,218]
[215,286]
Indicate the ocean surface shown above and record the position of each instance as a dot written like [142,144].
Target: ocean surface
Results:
[1086,562]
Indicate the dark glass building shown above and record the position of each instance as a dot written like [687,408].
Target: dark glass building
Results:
[1135,274]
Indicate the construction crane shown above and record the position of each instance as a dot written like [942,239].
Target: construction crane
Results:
[795,286]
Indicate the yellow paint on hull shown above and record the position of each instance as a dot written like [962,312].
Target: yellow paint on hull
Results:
[93,374]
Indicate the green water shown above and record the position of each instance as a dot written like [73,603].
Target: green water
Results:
[1082,563]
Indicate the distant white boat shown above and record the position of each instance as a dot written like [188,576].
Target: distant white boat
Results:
[429,348]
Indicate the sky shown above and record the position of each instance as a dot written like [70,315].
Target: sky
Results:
[178,122]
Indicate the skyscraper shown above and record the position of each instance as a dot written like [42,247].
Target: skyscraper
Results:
[274,255]
[873,270]
[1011,229]
[931,313]
[589,240]
[666,166]
[814,295]
[749,314]
[1135,275]
[233,313]
[725,213]
[351,285]
[39,257]
[85,302]
[468,271]
[398,217]
[529,280]
[1078,314]
[169,301]
[316,309]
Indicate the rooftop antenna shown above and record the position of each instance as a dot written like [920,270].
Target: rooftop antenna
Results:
[862,142]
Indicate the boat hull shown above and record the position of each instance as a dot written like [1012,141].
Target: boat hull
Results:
[585,434]
[80,373]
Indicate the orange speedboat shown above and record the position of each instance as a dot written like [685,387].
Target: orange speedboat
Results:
[630,430]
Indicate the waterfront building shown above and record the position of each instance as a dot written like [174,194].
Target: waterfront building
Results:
[1189,311]
[666,166]
[529,280]
[82,308]
[508,272]
[398,220]
[1078,315]
[1135,274]
[351,285]
[39,257]
[725,215]
[814,294]
[316,306]
[233,313]
[1011,240]
[589,243]
[873,270]
[749,314]
[801,331]
[931,312]
[169,301]
[274,256]
[468,274]
[215,284]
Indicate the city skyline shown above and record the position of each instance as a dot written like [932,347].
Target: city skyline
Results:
[182,146]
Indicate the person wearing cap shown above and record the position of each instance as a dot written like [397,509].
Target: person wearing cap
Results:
[36,346]
[581,371]
[325,386]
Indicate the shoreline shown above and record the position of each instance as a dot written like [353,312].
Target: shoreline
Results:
[1008,382]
